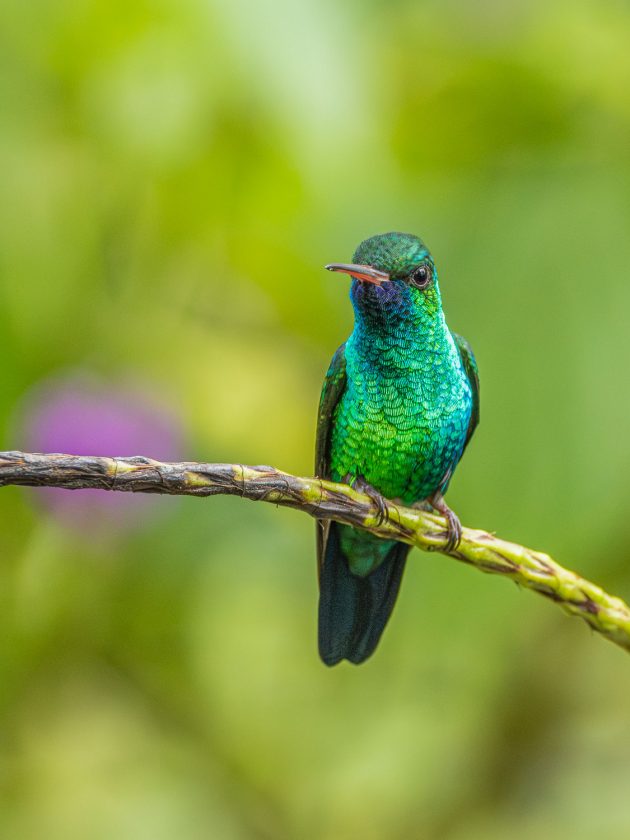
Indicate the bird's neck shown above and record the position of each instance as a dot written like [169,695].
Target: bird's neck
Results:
[400,343]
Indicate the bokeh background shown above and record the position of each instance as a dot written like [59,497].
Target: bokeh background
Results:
[175,173]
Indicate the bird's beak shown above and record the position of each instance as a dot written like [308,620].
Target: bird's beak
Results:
[364,273]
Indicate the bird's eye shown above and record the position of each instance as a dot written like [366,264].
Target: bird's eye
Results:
[421,277]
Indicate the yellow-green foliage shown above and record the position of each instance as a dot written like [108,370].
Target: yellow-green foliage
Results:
[174,176]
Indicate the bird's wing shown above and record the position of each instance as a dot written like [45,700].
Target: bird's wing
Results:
[332,389]
[472,372]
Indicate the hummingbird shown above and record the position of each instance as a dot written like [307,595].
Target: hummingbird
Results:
[399,404]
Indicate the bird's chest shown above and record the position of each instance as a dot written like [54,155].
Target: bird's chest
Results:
[402,429]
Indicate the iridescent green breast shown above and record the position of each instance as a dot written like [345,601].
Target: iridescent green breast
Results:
[402,428]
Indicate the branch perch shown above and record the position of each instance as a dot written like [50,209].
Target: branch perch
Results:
[608,615]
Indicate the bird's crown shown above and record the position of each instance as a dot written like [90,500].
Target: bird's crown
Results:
[396,253]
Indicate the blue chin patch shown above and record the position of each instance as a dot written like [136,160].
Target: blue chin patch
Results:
[380,303]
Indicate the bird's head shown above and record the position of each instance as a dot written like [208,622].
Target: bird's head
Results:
[394,279]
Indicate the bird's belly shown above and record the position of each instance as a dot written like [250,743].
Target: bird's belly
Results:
[401,438]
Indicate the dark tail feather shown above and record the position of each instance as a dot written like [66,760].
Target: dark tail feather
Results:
[353,611]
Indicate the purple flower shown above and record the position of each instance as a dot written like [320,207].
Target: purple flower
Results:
[80,415]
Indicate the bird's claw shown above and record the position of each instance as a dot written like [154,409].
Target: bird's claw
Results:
[454,533]
[360,484]
[454,530]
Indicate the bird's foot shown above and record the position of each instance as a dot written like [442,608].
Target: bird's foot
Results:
[360,484]
[454,531]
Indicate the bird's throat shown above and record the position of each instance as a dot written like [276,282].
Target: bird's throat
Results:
[400,343]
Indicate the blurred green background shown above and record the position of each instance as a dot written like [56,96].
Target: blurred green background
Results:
[174,176]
